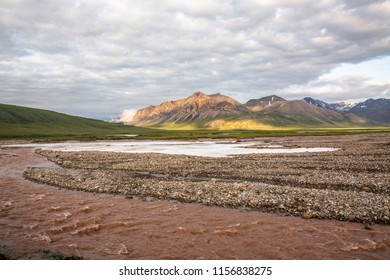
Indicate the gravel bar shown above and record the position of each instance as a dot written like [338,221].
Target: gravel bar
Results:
[351,183]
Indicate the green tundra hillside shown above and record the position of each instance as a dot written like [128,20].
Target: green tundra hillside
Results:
[22,122]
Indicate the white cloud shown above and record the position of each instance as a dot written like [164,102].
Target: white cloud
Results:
[97,57]
[127,115]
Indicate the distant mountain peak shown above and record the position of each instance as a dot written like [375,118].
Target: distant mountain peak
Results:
[343,106]
[197,107]
[318,103]
[199,94]
[260,103]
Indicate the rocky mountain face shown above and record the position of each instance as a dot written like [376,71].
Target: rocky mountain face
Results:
[271,110]
[197,107]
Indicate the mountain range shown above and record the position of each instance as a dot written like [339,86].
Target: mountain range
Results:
[223,112]
[373,109]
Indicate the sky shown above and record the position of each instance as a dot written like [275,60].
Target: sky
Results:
[102,58]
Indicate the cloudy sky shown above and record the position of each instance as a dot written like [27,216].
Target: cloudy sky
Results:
[97,58]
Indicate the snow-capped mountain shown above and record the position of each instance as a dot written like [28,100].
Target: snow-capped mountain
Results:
[343,106]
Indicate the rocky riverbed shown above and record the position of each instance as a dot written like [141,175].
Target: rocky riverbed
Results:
[351,183]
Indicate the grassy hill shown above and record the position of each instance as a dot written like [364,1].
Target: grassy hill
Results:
[18,122]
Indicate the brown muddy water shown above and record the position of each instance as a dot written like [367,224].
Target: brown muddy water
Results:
[36,217]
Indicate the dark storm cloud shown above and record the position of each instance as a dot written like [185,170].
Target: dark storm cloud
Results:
[97,58]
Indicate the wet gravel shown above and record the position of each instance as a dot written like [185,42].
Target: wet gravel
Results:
[351,183]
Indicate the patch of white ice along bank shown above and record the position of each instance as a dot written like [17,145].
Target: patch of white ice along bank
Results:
[199,148]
